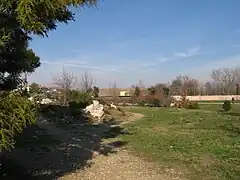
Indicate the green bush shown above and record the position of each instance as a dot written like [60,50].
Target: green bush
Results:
[79,99]
[227,105]
[101,101]
[17,112]
[154,102]
[141,103]
[192,105]
[185,103]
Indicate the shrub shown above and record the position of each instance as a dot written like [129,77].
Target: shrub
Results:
[79,99]
[185,103]
[17,112]
[154,102]
[101,101]
[77,105]
[227,105]
[141,103]
[192,105]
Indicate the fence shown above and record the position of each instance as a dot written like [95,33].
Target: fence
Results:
[210,98]
[128,99]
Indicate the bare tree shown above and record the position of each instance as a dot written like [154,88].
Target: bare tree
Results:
[159,90]
[114,91]
[184,85]
[64,82]
[87,82]
[226,78]
[193,87]
[176,86]
[208,88]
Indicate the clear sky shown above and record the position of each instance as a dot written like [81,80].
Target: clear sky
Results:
[125,41]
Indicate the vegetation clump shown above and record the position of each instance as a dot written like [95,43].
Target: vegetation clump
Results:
[79,99]
[192,105]
[17,112]
[20,19]
[227,105]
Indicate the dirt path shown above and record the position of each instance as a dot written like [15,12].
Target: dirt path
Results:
[116,166]
[78,156]
[120,165]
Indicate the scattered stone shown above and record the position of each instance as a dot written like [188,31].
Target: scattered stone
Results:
[129,104]
[113,106]
[95,154]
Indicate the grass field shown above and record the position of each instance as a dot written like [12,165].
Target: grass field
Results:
[202,144]
[215,102]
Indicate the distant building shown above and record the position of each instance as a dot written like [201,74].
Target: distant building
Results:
[121,92]
[124,93]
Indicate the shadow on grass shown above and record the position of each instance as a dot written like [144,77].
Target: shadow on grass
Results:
[45,151]
[232,113]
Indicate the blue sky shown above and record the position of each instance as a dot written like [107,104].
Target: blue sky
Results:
[125,41]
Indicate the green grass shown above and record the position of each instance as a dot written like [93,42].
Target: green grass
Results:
[204,144]
[218,107]
[217,101]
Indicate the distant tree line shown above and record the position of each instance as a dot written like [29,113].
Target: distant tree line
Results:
[224,81]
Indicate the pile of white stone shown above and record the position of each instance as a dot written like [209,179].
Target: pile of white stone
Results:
[46,101]
[95,110]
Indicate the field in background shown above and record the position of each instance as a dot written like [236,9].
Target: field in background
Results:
[219,101]
[201,144]
[210,98]
[200,99]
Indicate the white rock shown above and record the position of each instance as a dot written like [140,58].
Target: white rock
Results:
[129,104]
[95,109]
[95,154]
[113,106]
[46,101]
[172,104]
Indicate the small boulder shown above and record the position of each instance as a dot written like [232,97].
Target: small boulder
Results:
[95,110]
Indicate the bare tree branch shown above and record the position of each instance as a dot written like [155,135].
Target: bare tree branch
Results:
[114,91]
[226,78]
[184,85]
[87,82]
[64,82]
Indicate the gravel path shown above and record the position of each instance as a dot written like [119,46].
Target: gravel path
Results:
[121,165]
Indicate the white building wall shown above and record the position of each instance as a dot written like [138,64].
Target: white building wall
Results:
[209,98]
